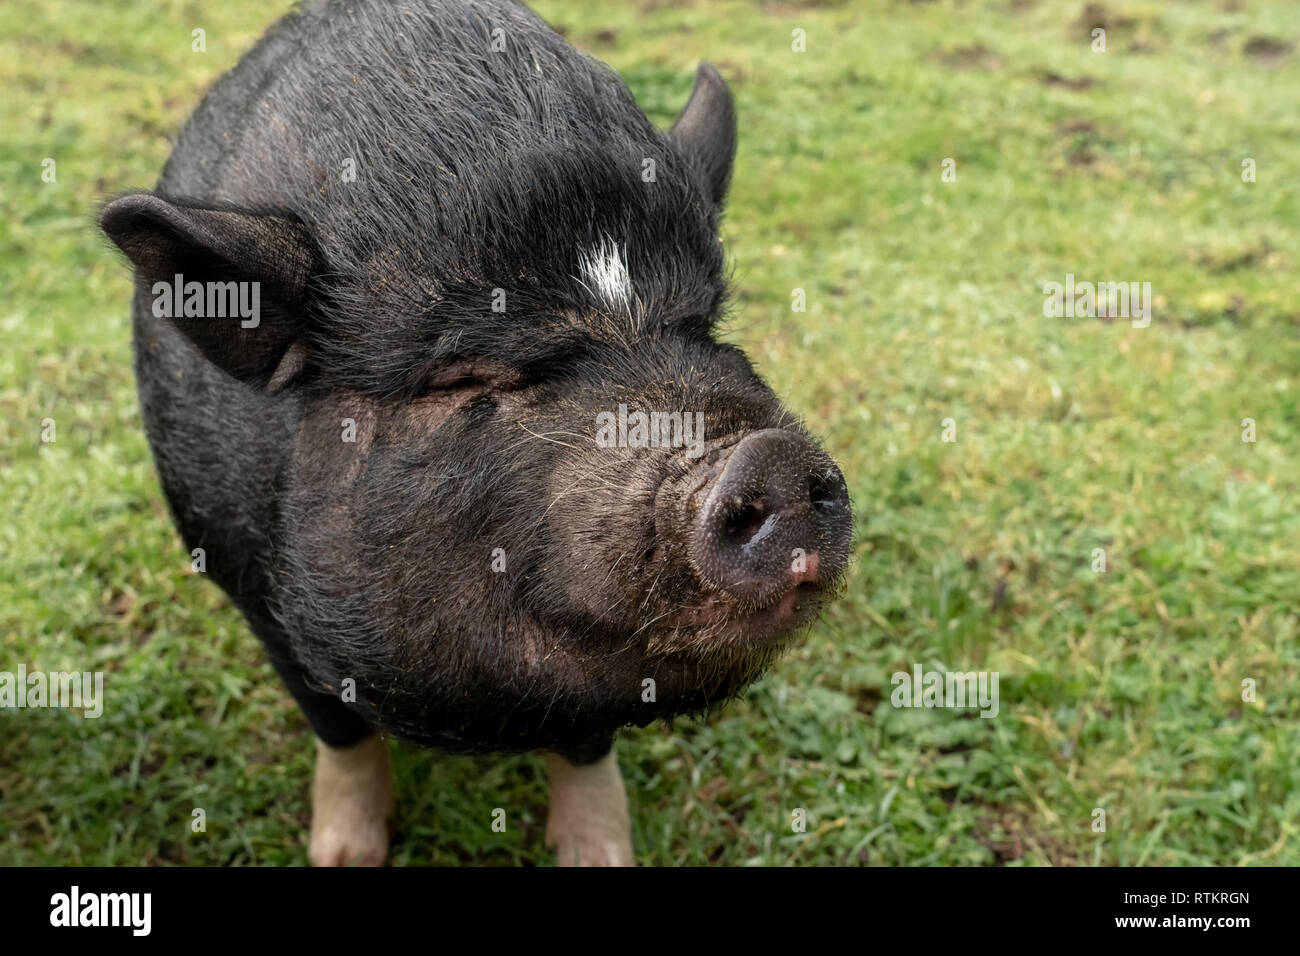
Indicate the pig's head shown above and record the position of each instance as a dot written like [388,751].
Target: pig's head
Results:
[526,480]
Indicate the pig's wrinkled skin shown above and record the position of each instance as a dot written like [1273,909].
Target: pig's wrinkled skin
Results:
[370,567]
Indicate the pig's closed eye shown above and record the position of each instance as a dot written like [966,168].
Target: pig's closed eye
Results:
[470,375]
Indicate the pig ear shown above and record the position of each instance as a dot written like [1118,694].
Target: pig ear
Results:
[706,130]
[165,241]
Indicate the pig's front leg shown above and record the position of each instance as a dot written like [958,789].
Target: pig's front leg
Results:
[588,823]
[352,803]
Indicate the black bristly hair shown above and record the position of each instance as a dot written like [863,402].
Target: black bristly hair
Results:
[483,160]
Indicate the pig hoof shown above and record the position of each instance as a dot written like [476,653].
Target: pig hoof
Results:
[352,803]
[582,850]
[588,823]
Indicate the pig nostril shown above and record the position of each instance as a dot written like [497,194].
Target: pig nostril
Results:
[742,524]
[822,493]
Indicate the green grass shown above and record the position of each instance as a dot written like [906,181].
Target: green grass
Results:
[1119,691]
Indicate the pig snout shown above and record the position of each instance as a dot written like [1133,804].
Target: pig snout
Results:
[776,517]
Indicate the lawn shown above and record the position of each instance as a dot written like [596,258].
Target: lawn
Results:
[1120,690]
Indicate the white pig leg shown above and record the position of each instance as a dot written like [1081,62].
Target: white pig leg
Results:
[352,803]
[588,823]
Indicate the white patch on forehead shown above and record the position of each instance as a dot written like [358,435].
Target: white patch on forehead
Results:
[605,276]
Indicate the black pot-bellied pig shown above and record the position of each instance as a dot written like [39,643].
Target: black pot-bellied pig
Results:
[424,336]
